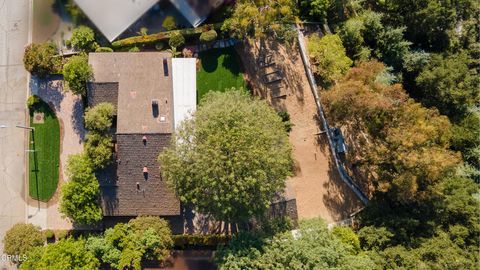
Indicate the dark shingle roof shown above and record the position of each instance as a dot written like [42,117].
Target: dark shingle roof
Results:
[122,198]
[99,92]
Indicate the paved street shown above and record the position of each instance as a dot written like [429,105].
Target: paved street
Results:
[14,25]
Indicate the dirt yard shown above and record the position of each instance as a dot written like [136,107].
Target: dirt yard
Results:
[319,189]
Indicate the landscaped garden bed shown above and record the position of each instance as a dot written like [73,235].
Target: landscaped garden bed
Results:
[44,154]
[219,70]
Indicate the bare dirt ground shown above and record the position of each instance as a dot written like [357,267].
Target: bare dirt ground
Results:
[319,189]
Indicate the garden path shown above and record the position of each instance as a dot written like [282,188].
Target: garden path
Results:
[69,110]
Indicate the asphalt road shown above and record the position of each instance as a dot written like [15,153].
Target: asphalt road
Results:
[14,27]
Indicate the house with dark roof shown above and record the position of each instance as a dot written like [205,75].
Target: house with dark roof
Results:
[152,93]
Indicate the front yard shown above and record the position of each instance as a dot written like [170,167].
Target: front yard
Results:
[45,152]
[219,70]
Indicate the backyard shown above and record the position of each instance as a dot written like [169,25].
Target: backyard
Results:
[219,70]
[44,159]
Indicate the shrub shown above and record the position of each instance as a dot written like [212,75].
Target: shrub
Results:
[208,36]
[99,149]
[104,49]
[177,40]
[134,49]
[348,237]
[22,238]
[62,234]
[76,73]
[286,120]
[39,59]
[99,118]
[329,57]
[32,101]
[169,23]
[83,38]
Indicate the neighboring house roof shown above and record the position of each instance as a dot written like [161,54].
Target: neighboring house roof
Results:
[137,79]
[113,17]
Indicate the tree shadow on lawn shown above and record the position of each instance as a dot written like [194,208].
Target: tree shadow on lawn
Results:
[210,60]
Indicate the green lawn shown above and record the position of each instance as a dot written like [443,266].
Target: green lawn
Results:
[44,162]
[220,69]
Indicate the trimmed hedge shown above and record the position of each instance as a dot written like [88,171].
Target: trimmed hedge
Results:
[150,39]
[199,240]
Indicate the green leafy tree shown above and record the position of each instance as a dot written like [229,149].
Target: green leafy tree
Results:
[76,72]
[311,247]
[208,36]
[176,41]
[83,38]
[22,238]
[351,33]
[79,199]
[225,160]
[448,84]
[315,10]
[126,245]
[99,118]
[329,57]
[39,59]
[65,254]
[99,149]
[169,23]
[259,18]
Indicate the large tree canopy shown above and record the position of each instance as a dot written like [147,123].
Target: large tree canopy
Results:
[402,144]
[126,245]
[39,59]
[65,254]
[230,158]
[312,246]
[259,18]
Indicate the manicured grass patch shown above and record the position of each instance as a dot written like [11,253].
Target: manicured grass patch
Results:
[44,162]
[219,70]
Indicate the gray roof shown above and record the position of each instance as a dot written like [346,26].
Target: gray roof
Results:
[122,197]
[141,80]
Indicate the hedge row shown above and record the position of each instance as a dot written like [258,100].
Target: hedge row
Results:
[150,39]
[198,240]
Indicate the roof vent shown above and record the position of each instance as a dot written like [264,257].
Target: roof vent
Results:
[138,186]
[144,139]
[145,169]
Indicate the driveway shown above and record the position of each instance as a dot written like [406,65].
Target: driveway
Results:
[14,25]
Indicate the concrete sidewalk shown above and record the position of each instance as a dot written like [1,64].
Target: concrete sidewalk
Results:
[14,33]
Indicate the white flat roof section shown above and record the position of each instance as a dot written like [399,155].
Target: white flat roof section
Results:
[184,75]
[113,17]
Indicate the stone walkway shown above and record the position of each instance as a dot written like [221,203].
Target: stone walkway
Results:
[69,110]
